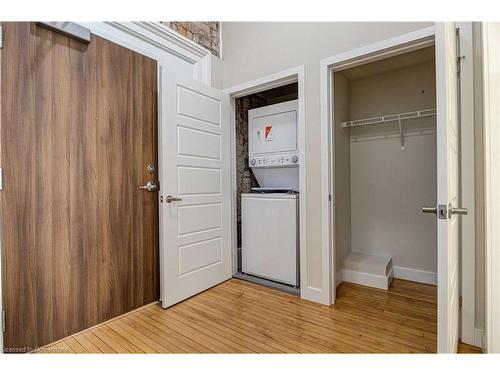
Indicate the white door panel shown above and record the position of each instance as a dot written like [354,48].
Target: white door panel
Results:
[448,183]
[196,105]
[198,180]
[199,217]
[196,143]
[195,156]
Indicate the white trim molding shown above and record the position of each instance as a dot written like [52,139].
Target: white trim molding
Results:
[269,82]
[296,74]
[491,113]
[412,274]
[467,195]
[367,279]
[359,56]
[479,337]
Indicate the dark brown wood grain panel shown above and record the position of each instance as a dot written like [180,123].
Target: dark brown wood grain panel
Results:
[78,128]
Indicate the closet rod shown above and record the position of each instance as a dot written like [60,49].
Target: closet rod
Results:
[390,118]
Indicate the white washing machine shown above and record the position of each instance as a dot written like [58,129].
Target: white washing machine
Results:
[269,235]
[269,217]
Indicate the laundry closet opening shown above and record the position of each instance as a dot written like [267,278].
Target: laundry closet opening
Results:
[385,170]
[267,188]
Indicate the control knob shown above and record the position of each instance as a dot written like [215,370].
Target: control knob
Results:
[295,158]
[252,162]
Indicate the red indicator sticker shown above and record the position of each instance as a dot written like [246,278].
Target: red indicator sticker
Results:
[269,133]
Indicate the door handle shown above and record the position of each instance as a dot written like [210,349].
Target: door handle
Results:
[150,186]
[170,199]
[457,211]
[440,210]
[429,210]
[443,211]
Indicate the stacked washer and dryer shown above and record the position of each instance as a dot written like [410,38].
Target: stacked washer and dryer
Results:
[269,215]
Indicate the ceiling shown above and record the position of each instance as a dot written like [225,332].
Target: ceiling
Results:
[397,62]
[290,90]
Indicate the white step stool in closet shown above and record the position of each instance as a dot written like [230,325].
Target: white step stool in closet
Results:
[365,269]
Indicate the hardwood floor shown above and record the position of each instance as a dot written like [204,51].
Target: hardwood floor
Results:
[240,317]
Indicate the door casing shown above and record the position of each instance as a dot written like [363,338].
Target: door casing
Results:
[491,96]
[278,79]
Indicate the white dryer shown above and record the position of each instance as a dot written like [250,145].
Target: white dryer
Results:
[273,149]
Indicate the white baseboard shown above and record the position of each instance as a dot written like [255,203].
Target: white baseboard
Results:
[367,279]
[412,274]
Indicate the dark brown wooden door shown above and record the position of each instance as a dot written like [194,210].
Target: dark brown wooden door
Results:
[78,129]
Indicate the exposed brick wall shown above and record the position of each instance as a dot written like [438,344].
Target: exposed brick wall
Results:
[206,34]
[245,179]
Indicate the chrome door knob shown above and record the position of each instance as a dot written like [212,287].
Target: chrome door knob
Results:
[150,186]
[170,199]
[429,210]
[444,211]
[456,211]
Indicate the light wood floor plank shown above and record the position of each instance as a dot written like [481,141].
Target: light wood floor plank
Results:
[103,346]
[75,345]
[128,334]
[112,342]
[164,343]
[240,317]
[88,345]
[195,346]
[127,344]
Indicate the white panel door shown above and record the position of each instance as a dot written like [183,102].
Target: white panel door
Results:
[447,184]
[195,157]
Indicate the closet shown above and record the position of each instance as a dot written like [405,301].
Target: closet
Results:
[385,170]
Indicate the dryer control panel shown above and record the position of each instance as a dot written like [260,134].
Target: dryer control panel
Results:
[274,161]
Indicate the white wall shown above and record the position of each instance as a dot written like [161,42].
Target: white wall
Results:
[389,185]
[256,49]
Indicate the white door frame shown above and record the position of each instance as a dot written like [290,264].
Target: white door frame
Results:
[491,96]
[160,43]
[282,78]
[469,333]
[373,52]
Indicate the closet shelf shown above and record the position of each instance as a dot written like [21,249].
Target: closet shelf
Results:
[391,118]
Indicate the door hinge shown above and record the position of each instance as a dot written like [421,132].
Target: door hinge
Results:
[460,303]
[1,37]
[459,63]
[1,178]
[3,320]
[329,197]
[459,56]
